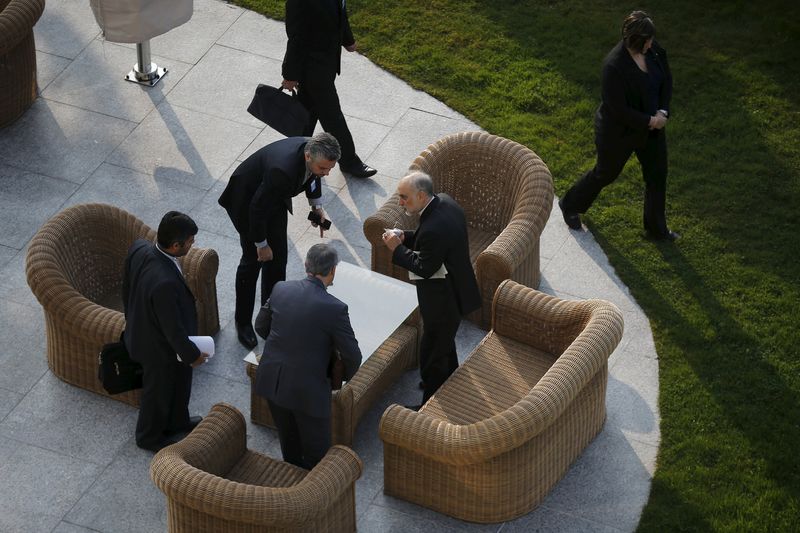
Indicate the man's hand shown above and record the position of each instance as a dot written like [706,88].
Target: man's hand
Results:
[289,85]
[391,240]
[264,254]
[323,216]
[352,47]
[200,360]
[657,121]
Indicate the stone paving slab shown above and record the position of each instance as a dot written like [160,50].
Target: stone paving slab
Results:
[8,401]
[14,287]
[414,132]
[61,141]
[48,67]
[254,33]
[215,88]
[184,145]
[29,200]
[23,360]
[39,486]
[92,137]
[70,421]
[65,28]
[146,196]
[95,81]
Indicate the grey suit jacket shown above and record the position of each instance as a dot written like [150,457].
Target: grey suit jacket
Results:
[303,324]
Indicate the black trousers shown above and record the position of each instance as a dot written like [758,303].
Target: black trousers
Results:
[271,271]
[304,439]
[164,405]
[611,159]
[318,94]
[438,357]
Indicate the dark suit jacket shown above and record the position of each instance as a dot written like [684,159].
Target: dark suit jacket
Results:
[441,238]
[160,311]
[303,324]
[317,30]
[267,180]
[623,115]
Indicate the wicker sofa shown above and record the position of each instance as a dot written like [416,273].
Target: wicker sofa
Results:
[75,265]
[501,432]
[17,57]
[214,484]
[506,192]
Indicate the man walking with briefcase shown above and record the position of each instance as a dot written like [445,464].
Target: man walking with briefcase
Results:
[317,31]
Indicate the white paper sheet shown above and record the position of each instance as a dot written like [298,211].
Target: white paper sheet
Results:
[251,358]
[377,305]
[204,344]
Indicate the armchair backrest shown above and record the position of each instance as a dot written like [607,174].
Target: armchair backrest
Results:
[85,246]
[538,319]
[489,176]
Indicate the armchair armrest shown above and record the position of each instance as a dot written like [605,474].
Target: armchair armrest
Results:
[200,267]
[16,22]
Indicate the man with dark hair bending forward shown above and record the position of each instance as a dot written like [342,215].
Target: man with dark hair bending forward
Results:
[302,324]
[160,316]
[258,196]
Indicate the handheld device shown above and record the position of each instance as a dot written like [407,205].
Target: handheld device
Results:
[315,217]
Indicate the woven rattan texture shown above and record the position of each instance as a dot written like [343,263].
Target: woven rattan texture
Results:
[506,192]
[75,265]
[397,354]
[17,57]
[505,427]
[214,484]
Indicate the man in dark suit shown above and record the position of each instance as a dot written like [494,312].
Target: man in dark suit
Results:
[257,199]
[302,324]
[437,257]
[160,316]
[317,31]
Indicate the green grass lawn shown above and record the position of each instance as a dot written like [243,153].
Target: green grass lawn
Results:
[720,300]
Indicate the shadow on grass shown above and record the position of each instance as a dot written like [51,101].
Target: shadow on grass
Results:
[753,397]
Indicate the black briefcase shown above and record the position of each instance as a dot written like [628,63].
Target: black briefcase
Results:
[116,370]
[280,111]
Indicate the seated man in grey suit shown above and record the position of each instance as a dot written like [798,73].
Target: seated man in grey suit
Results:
[302,323]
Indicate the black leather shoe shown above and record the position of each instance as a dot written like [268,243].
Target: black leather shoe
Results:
[193,421]
[360,171]
[247,336]
[422,385]
[163,443]
[572,218]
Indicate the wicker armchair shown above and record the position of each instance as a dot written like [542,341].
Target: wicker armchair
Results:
[499,434]
[17,57]
[214,484]
[507,194]
[75,266]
